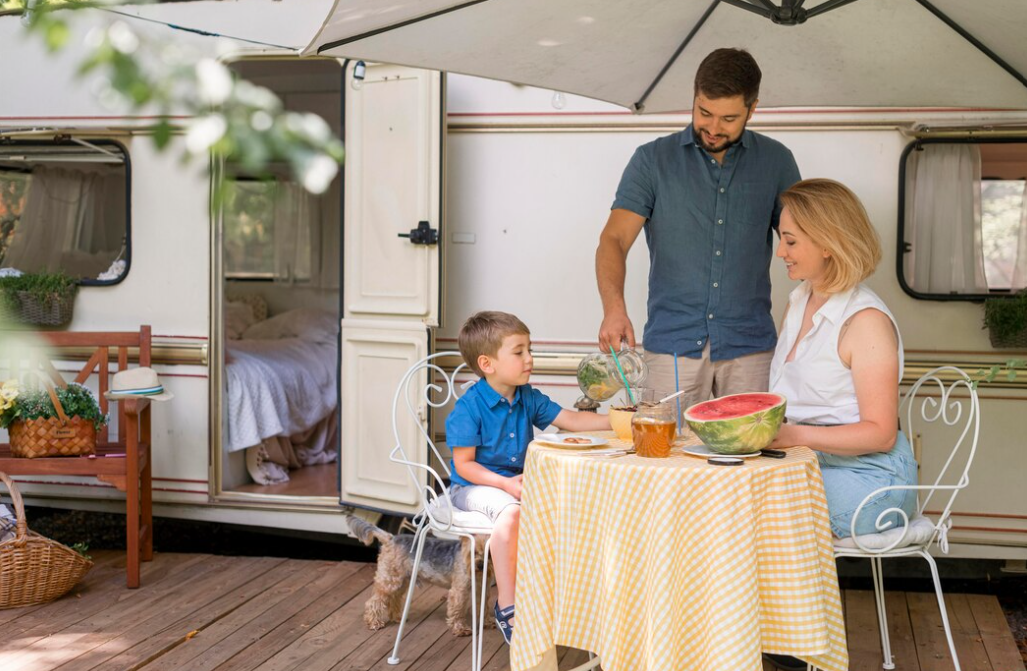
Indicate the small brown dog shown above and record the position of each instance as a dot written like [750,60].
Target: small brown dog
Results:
[445,563]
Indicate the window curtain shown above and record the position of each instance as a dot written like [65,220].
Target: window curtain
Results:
[69,216]
[943,220]
[1020,261]
[297,226]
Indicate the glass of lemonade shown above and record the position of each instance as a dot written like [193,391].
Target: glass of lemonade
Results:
[653,428]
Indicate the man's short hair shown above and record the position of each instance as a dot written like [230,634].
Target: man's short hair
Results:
[726,73]
[483,333]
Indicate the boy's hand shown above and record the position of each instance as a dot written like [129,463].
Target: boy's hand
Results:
[513,486]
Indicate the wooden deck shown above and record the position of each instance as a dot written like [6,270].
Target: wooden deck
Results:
[199,612]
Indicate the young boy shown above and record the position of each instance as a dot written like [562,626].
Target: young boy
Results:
[489,431]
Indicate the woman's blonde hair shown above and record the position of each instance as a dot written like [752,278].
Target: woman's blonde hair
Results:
[834,218]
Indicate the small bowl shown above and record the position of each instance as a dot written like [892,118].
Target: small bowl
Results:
[620,421]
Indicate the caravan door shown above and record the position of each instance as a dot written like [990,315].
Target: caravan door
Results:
[394,131]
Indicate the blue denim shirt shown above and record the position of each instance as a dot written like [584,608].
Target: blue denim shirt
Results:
[709,228]
[499,430]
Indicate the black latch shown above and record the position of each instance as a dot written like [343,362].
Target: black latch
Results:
[424,234]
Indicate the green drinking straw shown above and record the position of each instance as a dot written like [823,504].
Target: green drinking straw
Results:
[624,377]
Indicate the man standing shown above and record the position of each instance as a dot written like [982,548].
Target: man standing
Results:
[707,200]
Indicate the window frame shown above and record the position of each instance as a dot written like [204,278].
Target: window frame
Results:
[123,150]
[903,248]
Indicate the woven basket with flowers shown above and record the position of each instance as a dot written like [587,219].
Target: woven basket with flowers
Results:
[50,420]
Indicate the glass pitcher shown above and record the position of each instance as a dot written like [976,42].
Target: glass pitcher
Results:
[599,378]
[653,428]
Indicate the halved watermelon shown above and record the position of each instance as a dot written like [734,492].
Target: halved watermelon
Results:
[739,423]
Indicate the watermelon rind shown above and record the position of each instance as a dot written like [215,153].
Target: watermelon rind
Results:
[740,435]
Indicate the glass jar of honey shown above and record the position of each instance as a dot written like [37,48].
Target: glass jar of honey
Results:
[653,428]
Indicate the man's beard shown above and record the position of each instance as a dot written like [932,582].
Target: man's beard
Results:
[718,148]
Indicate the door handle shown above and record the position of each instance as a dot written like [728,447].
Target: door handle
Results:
[424,234]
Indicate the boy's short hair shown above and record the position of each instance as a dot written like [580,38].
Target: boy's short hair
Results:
[726,73]
[483,333]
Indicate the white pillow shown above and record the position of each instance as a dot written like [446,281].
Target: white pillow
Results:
[238,318]
[920,529]
[311,324]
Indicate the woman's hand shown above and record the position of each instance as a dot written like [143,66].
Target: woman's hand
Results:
[786,437]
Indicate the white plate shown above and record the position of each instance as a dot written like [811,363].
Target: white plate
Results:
[560,440]
[703,451]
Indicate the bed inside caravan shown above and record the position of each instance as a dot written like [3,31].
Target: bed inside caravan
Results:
[280,284]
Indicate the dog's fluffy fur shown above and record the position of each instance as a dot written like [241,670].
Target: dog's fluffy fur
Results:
[445,563]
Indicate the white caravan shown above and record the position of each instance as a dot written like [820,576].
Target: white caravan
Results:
[516,181]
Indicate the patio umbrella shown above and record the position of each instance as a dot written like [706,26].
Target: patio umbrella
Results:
[643,54]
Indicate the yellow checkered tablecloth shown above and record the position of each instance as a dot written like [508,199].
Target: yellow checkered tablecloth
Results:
[674,564]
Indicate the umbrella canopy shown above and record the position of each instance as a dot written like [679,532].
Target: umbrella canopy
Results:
[643,54]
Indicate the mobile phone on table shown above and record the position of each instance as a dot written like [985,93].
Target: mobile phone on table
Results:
[724,461]
[774,454]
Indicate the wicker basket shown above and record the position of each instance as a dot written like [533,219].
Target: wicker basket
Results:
[33,568]
[1017,341]
[52,436]
[56,312]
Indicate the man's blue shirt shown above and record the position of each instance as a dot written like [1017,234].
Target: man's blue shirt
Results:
[710,230]
[500,430]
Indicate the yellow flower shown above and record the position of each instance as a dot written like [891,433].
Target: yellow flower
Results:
[8,392]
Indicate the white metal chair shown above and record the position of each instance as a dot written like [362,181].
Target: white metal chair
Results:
[426,385]
[933,395]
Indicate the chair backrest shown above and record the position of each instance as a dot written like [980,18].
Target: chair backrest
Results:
[25,353]
[946,398]
[426,384]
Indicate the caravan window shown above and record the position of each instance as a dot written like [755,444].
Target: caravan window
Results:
[269,228]
[65,207]
[963,219]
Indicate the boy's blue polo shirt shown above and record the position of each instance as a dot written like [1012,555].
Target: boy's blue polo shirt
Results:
[500,430]
[710,231]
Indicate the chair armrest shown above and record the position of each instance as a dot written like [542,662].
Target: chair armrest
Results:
[133,406]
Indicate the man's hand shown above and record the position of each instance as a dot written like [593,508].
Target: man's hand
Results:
[513,486]
[615,328]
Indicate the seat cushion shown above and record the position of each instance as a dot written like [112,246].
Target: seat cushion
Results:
[920,530]
[468,519]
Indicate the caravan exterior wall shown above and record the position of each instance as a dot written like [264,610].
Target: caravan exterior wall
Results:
[528,189]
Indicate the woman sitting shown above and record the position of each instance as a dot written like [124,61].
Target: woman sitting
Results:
[839,358]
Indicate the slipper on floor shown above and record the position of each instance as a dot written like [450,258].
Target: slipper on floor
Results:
[503,618]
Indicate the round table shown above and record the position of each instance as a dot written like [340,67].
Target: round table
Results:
[673,563]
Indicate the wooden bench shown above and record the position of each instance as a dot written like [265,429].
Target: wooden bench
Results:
[123,462]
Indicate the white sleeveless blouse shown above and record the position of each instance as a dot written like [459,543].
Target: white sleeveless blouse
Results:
[818,386]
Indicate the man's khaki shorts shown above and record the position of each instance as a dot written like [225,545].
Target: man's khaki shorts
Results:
[704,379]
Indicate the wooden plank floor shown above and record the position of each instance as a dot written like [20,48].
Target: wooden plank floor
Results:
[203,612]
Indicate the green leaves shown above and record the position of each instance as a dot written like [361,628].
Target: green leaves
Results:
[76,400]
[221,113]
[1006,317]
[44,287]
[991,374]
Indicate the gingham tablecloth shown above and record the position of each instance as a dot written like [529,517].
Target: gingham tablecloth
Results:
[674,564]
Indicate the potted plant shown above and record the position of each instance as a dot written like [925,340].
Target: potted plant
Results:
[50,421]
[40,299]
[1006,321]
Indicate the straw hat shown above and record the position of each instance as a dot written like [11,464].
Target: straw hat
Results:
[137,383]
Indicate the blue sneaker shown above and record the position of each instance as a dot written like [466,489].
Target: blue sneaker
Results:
[503,618]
